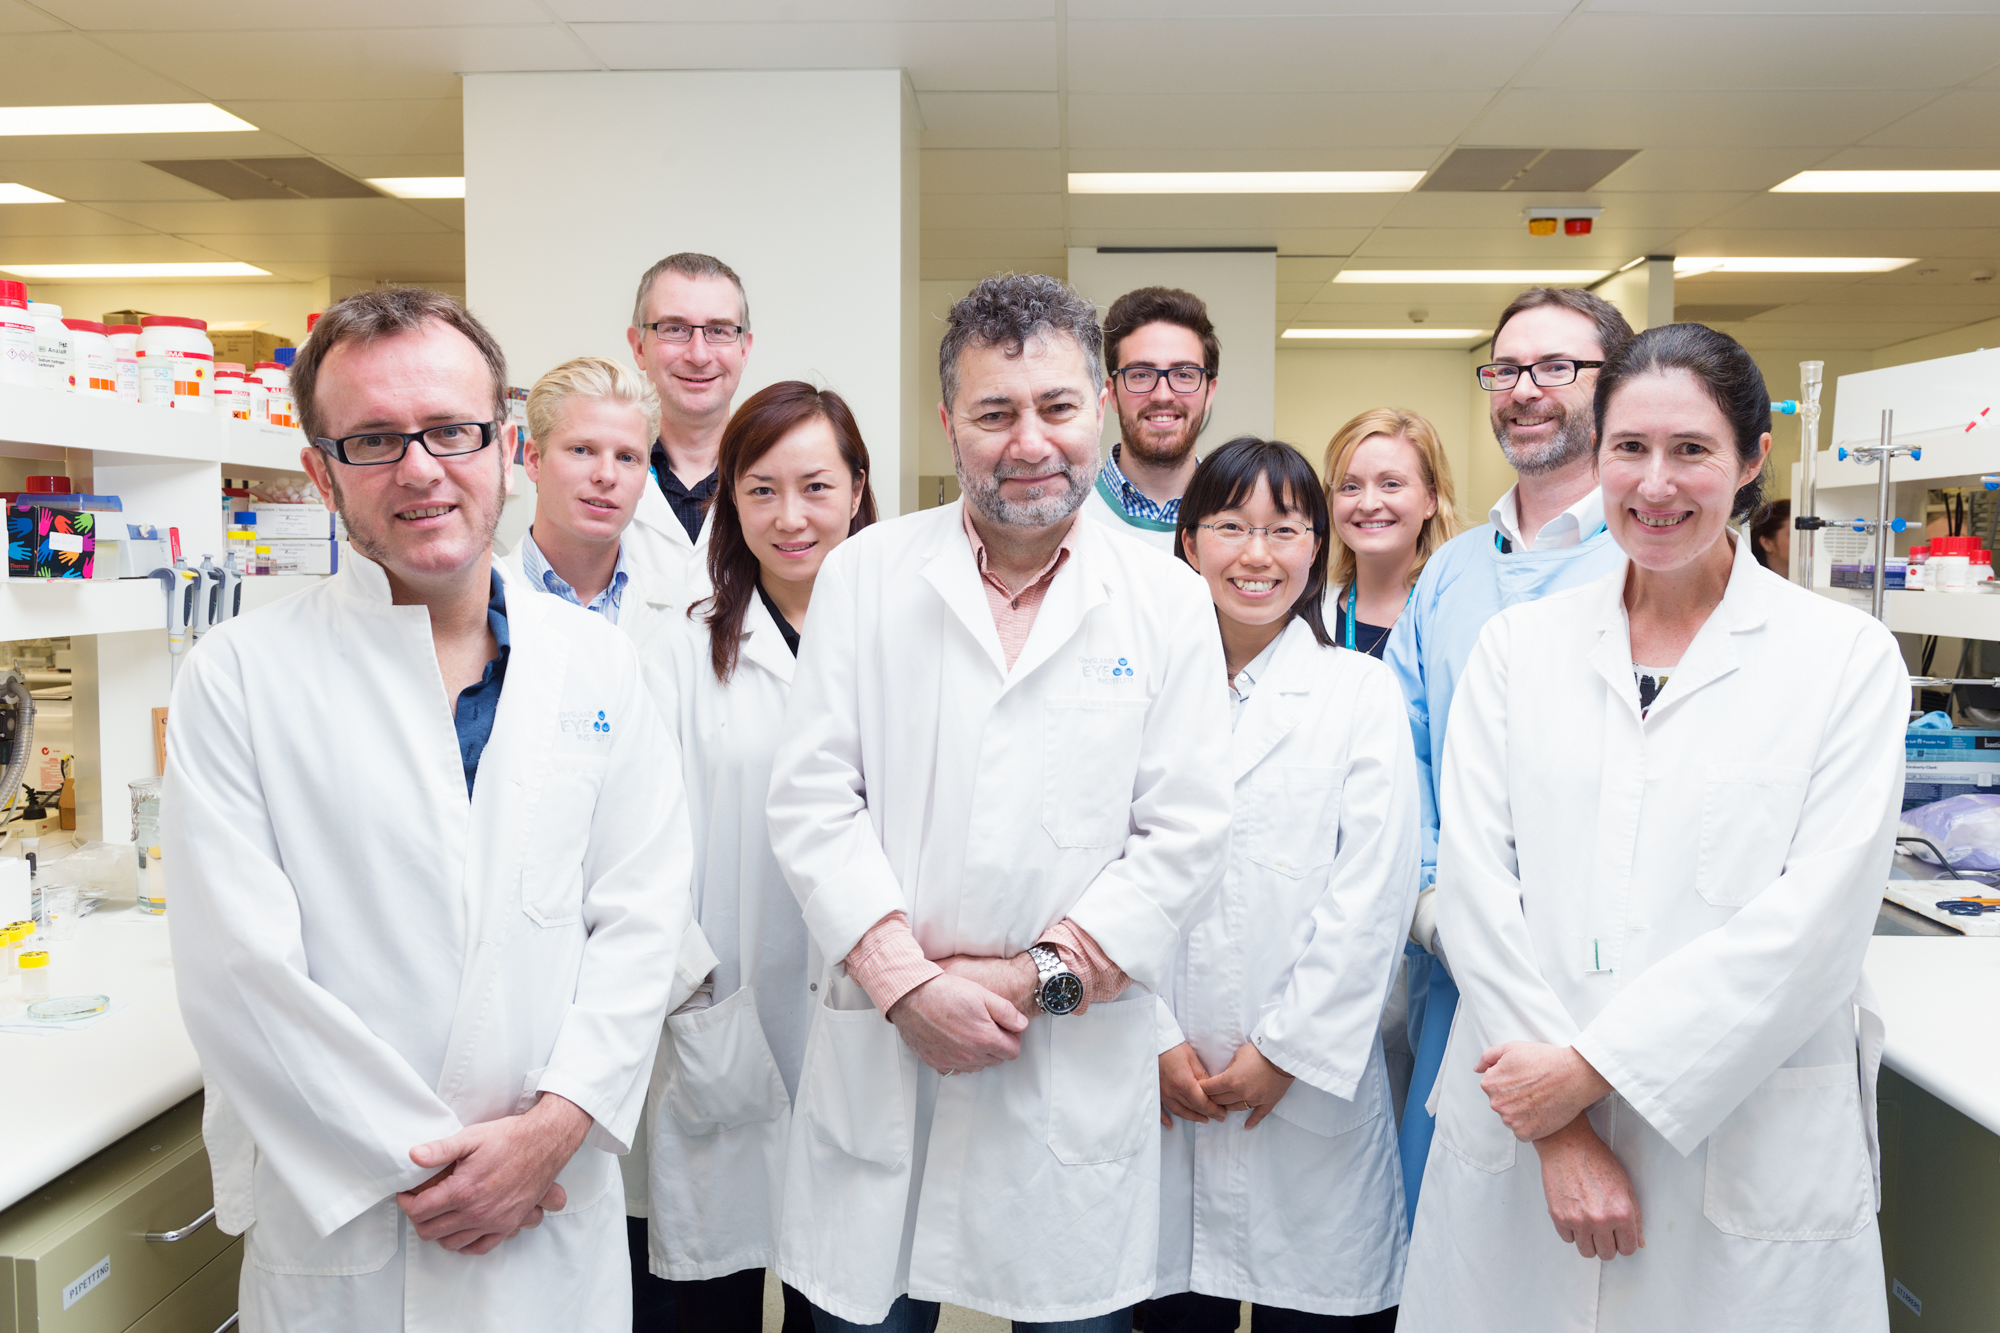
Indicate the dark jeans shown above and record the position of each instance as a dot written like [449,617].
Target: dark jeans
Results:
[1190,1312]
[730,1304]
[908,1316]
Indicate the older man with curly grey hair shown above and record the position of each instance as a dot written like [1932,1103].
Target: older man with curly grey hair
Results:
[1006,786]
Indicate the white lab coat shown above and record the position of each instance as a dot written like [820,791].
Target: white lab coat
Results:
[368,961]
[1296,954]
[1686,899]
[657,548]
[919,774]
[720,1109]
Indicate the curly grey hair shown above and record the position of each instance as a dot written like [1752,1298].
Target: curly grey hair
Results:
[1008,310]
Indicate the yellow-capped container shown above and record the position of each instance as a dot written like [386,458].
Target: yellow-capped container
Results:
[35,974]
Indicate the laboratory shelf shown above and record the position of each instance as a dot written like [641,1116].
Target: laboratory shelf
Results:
[140,431]
[1949,454]
[265,589]
[53,608]
[1968,615]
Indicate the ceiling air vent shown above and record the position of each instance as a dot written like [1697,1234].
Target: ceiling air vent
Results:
[1544,170]
[268,178]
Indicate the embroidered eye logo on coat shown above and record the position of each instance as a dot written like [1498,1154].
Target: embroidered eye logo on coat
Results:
[1106,668]
[586,723]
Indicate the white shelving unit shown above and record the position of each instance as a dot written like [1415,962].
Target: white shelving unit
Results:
[1950,408]
[167,468]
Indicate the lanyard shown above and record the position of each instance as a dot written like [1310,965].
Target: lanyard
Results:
[1353,594]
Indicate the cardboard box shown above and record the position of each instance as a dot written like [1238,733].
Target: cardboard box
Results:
[1937,764]
[46,543]
[247,346]
[124,316]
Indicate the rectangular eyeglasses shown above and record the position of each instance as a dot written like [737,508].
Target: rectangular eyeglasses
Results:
[377,447]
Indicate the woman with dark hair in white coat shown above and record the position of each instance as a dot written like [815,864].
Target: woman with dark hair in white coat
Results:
[1669,800]
[1279,1179]
[792,484]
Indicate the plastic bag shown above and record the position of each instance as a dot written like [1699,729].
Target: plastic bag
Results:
[1966,828]
[107,869]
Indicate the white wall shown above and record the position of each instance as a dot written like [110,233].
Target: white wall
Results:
[1241,292]
[804,182]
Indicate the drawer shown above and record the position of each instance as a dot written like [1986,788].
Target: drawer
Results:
[78,1246]
[205,1303]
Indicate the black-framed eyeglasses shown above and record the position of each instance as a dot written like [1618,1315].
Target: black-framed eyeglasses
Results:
[715,335]
[1500,376]
[1181,379]
[388,446]
[1231,533]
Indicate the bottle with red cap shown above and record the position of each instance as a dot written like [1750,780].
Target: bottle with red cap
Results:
[125,345]
[93,362]
[176,363]
[17,335]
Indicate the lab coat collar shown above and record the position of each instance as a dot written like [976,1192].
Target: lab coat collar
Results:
[764,644]
[1712,655]
[1270,713]
[950,567]
[364,579]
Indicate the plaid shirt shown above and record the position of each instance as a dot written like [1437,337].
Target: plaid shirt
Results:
[1136,504]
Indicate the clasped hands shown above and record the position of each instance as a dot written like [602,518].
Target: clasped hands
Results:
[1250,1083]
[972,1016]
[1541,1092]
[497,1178]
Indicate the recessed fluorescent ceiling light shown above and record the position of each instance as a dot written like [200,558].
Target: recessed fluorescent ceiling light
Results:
[154,118]
[1386,333]
[10,193]
[420,187]
[49,272]
[1890,182]
[1511,277]
[1689,266]
[1242,182]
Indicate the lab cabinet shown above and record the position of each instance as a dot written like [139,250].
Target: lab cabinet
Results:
[1940,1213]
[124,1241]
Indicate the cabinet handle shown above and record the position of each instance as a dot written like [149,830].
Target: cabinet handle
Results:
[182,1233]
[230,1322]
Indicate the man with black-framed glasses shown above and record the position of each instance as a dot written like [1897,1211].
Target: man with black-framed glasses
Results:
[423,1022]
[1162,356]
[690,335]
[1545,534]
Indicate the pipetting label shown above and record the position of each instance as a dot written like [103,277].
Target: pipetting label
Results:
[84,1285]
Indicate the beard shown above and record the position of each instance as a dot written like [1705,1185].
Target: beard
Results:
[374,543]
[1041,507]
[1575,437]
[1144,442]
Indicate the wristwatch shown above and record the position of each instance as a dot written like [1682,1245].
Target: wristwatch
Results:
[1060,990]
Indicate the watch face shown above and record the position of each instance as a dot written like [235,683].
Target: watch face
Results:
[1062,993]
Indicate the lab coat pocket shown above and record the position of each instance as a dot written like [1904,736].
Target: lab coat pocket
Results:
[1296,819]
[720,1071]
[1748,815]
[1104,1082]
[856,1093]
[1320,1112]
[282,1240]
[1467,1125]
[1791,1163]
[552,868]
[1087,789]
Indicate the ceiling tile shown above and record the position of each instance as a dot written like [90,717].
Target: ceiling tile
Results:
[65,220]
[990,120]
[432,125]
[135,248]
[1896,241]
[1013,56]
[1318,240]
[989,170]
[135,148]
[1371,53]
[1683,50]
[1229,210]
[1663,170]
[69,69]
[18,17]
[1314,270]
[1012,240]
[1879,212]
[943,212]
[1967,118]
[1269,120]
[292,217]
[147,16]
[1146,153]
[88,179]
[1984,157]
[446,212]
[1151,9]
[238,65]
[1667,119]
[972,268]
[1606,248]
[441,249]
[801,11]
[372,167]
[1813,8]
[1504,211]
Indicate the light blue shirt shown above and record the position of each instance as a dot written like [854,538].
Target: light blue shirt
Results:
[606,603]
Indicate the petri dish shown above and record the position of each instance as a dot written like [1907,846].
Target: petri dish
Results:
[65,1007]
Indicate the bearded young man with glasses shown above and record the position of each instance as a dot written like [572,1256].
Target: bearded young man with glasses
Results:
[1545,534]
[690,336]
[425,1024]
[1162,354]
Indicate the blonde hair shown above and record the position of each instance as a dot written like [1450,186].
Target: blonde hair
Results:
[592,377]
[1396,423]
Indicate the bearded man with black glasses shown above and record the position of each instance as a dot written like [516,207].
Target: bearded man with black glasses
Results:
[1545,534]
[1162,354]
